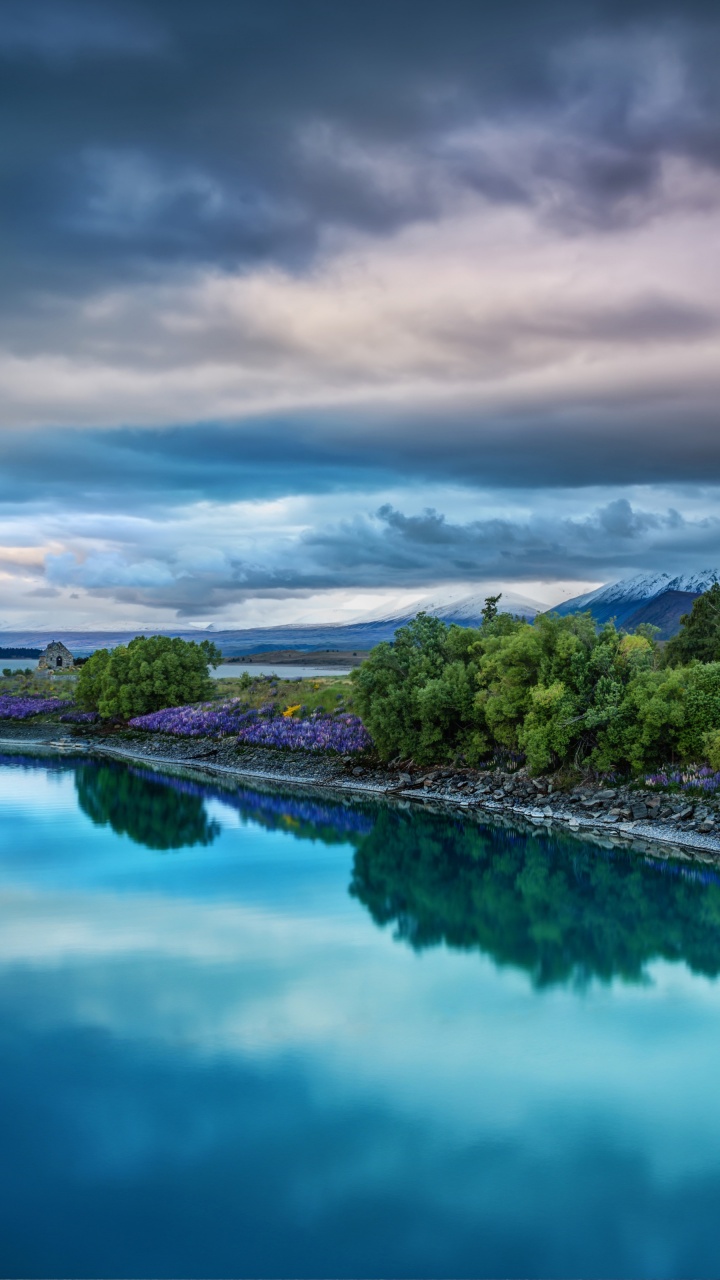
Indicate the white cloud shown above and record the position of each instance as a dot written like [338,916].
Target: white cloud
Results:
[486,308]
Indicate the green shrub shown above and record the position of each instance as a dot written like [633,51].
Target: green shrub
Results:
[556,689]
[149,673]
[711,747]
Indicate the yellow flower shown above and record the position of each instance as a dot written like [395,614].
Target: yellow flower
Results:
[290,711]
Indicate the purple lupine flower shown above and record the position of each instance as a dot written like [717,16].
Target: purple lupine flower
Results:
[691,778]
[21,707]
[320,731]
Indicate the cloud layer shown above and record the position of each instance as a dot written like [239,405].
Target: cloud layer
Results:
[305,558]
[258,252]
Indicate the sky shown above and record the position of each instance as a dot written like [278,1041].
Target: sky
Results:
[311,308]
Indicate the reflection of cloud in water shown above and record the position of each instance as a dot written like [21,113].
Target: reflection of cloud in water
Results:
[469,1050]
[203,1085]
[188,1167]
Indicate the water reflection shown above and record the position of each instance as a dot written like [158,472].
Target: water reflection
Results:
[561,909]
[146,809]
[217,1064]
[163,811]
[547,903]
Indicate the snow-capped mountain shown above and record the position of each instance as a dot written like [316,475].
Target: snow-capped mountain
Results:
[630,600]
[457,607]
[361,633]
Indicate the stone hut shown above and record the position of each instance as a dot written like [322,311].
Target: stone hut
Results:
[56,658]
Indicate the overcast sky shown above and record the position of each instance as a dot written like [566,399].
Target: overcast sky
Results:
[308,306]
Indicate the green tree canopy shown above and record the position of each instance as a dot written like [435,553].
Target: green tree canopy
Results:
[416,695]
[699,634]
[149,673]
[555,689]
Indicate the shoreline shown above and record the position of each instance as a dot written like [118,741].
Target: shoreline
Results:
[262,765]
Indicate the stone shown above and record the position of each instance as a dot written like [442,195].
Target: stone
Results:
[56,658]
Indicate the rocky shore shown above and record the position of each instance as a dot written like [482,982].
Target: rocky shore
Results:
[676,821]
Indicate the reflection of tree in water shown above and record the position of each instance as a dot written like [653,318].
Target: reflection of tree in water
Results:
[547,904]
[151,812]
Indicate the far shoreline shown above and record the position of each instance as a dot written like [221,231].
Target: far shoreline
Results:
[341,658]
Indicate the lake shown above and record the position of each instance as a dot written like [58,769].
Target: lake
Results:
[289,671]
[286,671]
[255,1032]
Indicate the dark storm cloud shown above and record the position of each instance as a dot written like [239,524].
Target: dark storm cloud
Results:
[98,470]
[353,248]
[149,470]
[611,540]
[152,136]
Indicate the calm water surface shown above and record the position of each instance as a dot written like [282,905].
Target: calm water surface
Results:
[255,1033]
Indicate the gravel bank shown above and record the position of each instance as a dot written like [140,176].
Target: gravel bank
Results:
[658,822]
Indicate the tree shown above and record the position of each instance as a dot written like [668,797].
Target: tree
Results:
[490,609]
[389,684]
[556,689]
[149,673]
[699,636]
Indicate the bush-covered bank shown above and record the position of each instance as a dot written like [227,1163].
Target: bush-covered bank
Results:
[558,691]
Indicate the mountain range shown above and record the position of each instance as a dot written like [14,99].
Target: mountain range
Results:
[466,610]
[658,598]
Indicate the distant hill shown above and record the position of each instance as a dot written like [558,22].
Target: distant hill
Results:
[659,598]
[466,610]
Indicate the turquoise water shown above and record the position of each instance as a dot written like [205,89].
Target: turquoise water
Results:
[255,1033]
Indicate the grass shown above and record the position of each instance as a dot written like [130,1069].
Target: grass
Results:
[44,686]
[321,693]
[326,693]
